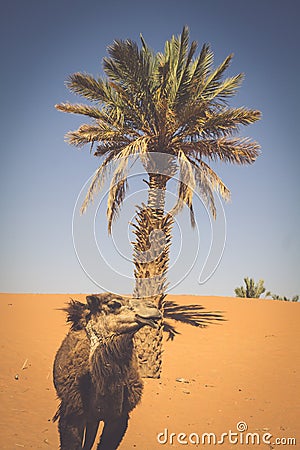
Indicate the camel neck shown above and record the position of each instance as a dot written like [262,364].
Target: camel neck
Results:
[116,347]
[111,359]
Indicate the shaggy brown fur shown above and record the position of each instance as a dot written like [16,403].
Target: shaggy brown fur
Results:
[95,369]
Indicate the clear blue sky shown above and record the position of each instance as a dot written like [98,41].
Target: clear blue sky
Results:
[41,176]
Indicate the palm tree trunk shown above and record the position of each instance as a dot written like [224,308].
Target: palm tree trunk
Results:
[151,258]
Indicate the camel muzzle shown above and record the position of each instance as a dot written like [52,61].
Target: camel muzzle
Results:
[147,314]
[152,322]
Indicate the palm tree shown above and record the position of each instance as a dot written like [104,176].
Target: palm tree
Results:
[171,110]
[294,299]
[252,290]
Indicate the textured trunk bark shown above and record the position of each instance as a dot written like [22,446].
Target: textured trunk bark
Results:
[151,258]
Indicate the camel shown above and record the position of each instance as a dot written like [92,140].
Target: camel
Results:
[95,370]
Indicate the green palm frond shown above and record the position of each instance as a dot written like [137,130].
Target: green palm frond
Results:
[95,133]
[127,67]
[226,122]
[111,119]
[219,92]
[86,110]
[108,147]
[131,69]
[213,79]
[201,68]
[229,87]
[183,72]
[87,86]
[229,150]
[182,46]
[184,89]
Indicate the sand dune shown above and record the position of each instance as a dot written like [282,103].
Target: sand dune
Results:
[243,369]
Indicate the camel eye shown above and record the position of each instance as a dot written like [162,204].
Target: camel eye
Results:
[114,305]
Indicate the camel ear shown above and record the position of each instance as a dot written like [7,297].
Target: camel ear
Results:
[93,303]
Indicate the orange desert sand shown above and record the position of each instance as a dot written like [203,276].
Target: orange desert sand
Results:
[245,369]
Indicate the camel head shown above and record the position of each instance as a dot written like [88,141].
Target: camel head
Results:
[107,315]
